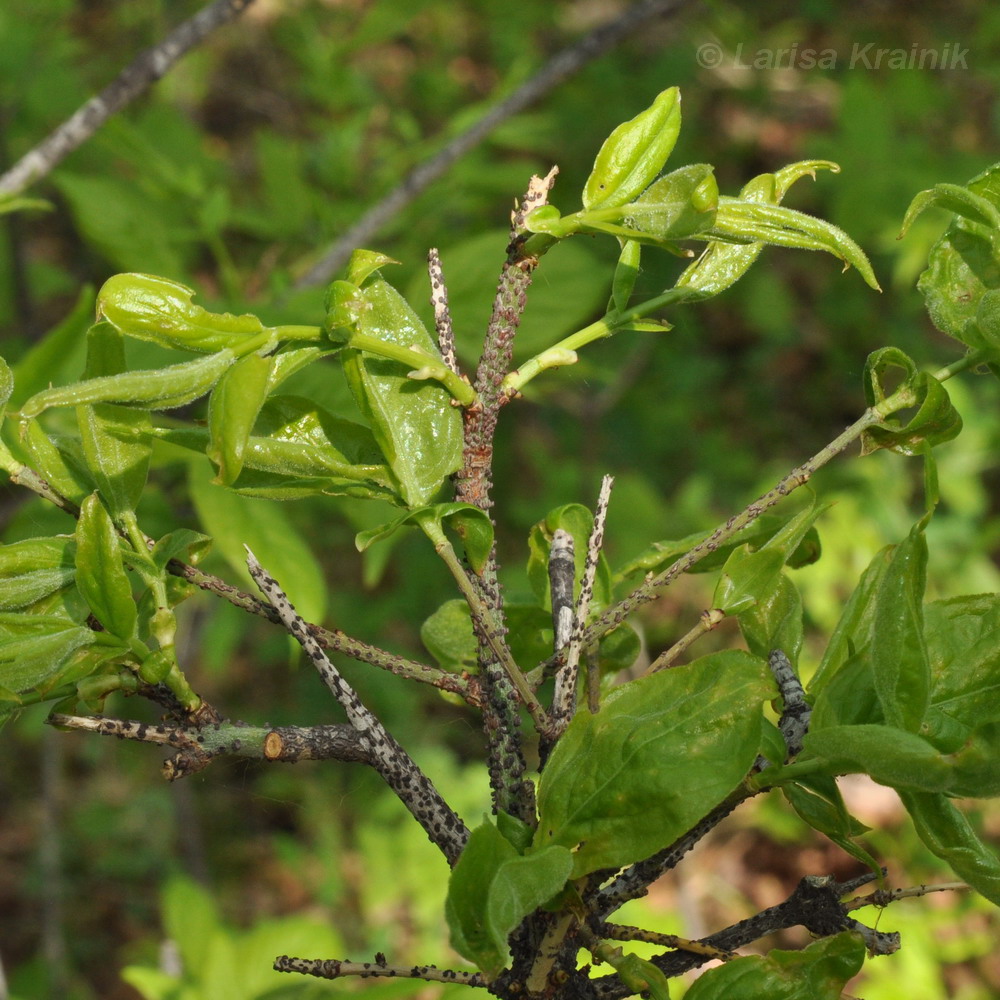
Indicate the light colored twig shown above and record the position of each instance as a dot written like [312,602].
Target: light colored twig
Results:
[333,968]
[707,620]
[399,771]
[564,698]
[442,314]
[555,71]
[134,80]
[883,897]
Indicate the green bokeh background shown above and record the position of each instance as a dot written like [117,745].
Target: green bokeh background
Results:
[233,175]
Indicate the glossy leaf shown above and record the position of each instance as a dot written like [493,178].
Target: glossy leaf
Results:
[232,411]
[414,423]
[935,420]
[962,266]
[676,206]
[818,802]
[158,389]
[158,309]
[33,569]
[900,665]
[666,748]
[115,439]
[472,525]
[634,153]
[100,571]
[949,834]
[817,972]
[774,621]
[626,274]
[739,221]
[746,577]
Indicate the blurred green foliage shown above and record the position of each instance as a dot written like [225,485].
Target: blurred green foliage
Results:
[236,172]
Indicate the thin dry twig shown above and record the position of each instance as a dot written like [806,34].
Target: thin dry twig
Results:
[561,66]
[134,80]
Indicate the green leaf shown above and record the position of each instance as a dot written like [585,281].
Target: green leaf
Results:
[158,389]
[740,221]
[818,972]
[774,621]
[634,153]
[854,629]
[666,748]
[579,522]
[33,569]
[100,570]
[746,577]
[58,460]
[299,449]
[818,802]
[661,555]
[448,637]
[115,439]
[414,423]
[232,411]
[723,264]
[161,310]
[962,266]
[182,543]
[676,206]
[900,665]
[626,274]
[961,636]
[234,521]
[935,420]
[891,756]
[949,835]
[30,660]
[492,889]
[472,525]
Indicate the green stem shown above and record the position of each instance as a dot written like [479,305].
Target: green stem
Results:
[486,620]
[969,360]
[427,366]
[604,327]
[294,332]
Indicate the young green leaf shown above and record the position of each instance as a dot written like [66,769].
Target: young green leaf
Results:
[34,658]
[634,153]
[676,206]
[472,525]
[961,266]
[666,748]
[935,421]
[59,460]
[626,274]
[161,310]
[232,411]
[774,621]
[417,428]
[160,389]
[115,439]
[100,571]
[448,636]
[33,569]
[747,577]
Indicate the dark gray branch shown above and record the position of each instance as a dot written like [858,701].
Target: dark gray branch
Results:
[562,65]
[134,80]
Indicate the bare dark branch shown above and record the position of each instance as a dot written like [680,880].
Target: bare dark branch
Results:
[134,80]
[561,66]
